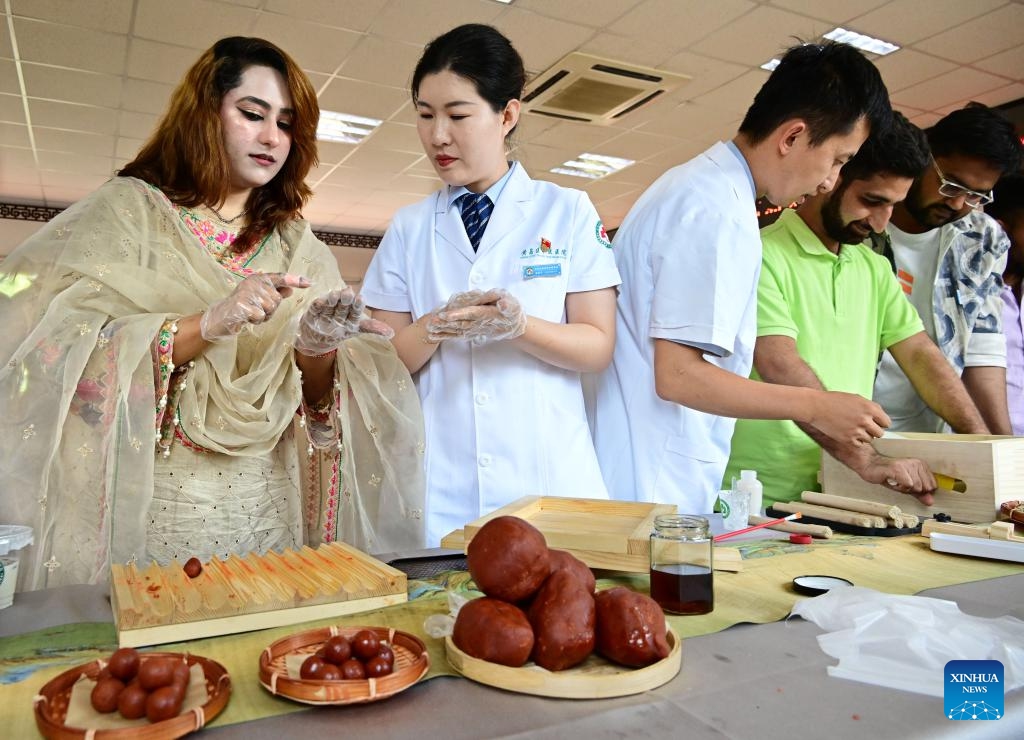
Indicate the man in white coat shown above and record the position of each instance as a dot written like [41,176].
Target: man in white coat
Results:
[689,254]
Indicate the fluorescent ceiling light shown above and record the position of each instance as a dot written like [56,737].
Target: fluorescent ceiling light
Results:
[592,166]
[854,39]
[862,42]
[344,127]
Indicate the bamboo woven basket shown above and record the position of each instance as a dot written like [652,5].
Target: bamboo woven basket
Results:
[595,678]
[51,704]
[411,664]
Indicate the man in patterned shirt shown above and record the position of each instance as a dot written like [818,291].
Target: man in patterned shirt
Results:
[949,258]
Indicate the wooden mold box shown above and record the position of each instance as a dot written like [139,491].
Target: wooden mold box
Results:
[991,466]
[160,604]
[613,535]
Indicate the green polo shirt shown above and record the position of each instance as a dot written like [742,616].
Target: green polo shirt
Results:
[842,310]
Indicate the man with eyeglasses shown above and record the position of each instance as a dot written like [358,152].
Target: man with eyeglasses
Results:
[949,258]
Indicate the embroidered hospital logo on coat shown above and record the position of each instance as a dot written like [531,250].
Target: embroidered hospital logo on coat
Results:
[544,249]
[602,235]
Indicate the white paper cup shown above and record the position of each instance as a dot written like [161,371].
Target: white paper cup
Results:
[12,539]
[735,506]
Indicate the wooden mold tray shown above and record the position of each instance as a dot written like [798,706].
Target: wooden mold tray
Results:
[161,604]
[613,535]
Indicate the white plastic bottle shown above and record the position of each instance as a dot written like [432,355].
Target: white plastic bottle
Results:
[748,482]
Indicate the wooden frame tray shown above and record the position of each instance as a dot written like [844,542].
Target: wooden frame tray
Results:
[51,704]
[595,678]
[411,664]
[162,604]
[613,535]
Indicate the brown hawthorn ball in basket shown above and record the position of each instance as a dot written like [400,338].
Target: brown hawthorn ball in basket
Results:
[508,559]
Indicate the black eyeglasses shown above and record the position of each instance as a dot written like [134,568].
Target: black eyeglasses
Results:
[950,189]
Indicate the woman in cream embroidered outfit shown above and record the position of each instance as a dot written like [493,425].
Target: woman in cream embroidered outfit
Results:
[185,308]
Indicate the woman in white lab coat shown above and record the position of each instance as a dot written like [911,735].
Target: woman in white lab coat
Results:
[495,333]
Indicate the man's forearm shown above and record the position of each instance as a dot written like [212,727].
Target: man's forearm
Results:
[987,388]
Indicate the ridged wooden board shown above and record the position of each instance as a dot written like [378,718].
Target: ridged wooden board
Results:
[161,604]
[595,678]
[613,535]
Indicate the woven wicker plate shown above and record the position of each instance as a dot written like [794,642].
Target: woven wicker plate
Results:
[411,664]
[594,678]
[51,704]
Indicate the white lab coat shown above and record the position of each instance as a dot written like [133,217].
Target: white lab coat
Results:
[500,424]
[689,253]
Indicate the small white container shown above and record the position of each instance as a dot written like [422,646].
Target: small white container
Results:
[12,539]
[748,482]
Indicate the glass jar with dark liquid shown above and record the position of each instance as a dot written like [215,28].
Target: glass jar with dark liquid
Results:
[681,567]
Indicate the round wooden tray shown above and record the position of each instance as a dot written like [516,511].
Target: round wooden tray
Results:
[411,664]
[595,678]
[51,704]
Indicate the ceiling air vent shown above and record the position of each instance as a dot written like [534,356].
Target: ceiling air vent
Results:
[585,88]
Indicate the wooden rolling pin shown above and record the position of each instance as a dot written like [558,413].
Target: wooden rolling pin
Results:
[814,530]
[874,508]
[830,514]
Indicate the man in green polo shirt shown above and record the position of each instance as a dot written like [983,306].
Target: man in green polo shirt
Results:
[827,306]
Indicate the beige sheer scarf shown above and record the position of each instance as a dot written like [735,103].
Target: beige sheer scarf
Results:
[91,292]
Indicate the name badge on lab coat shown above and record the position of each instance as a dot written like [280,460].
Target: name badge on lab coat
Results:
[535,271]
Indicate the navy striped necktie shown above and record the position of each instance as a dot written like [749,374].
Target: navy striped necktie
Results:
[476,210]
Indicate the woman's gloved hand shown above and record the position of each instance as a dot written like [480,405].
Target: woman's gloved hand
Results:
[494,314]
[331,319]
[253,301]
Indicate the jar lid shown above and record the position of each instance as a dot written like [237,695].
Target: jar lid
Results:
[14,537]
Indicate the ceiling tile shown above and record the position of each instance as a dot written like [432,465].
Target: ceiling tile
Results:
[605,189]
[679,23]
[9,78]
[27,193]
[949,88]
[621,48]
[72,116]
[908,67]
[383,61]
[145,96]
[1009,63]
[100,15]
[5,40]
[1000,95]
[14,134]
[405,21]
[60,197]
[12,110]
[352,177]
[415,184]
[736,95]
[13,159]
[126,148]
[70,46]
[396,136]
[978,38]
[192,23]
[64,180]
[136,125]
[704,72]
[576,137]
[333,152]
[71,85]
[356,16]
[833,11]
[593,13]
[389,162]
[925,119]
[692,119]
[78,142]
[541,41]
[907,21]
[73,165]
[153,61]
[638,146]
[363,99]
[760,35]
[316,48]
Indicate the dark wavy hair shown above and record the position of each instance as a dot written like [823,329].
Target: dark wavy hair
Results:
[483,56]
[980,132]
[900,149]
[185,156]
[828,85]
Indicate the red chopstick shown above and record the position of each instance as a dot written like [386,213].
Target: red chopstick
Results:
[727,535]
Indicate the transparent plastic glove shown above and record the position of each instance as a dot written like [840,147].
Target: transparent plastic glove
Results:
[498,319]
[331,319]
[253,301]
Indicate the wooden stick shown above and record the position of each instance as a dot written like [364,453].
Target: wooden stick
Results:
[851,504]
[735,532]
[814,530]
[832,515]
